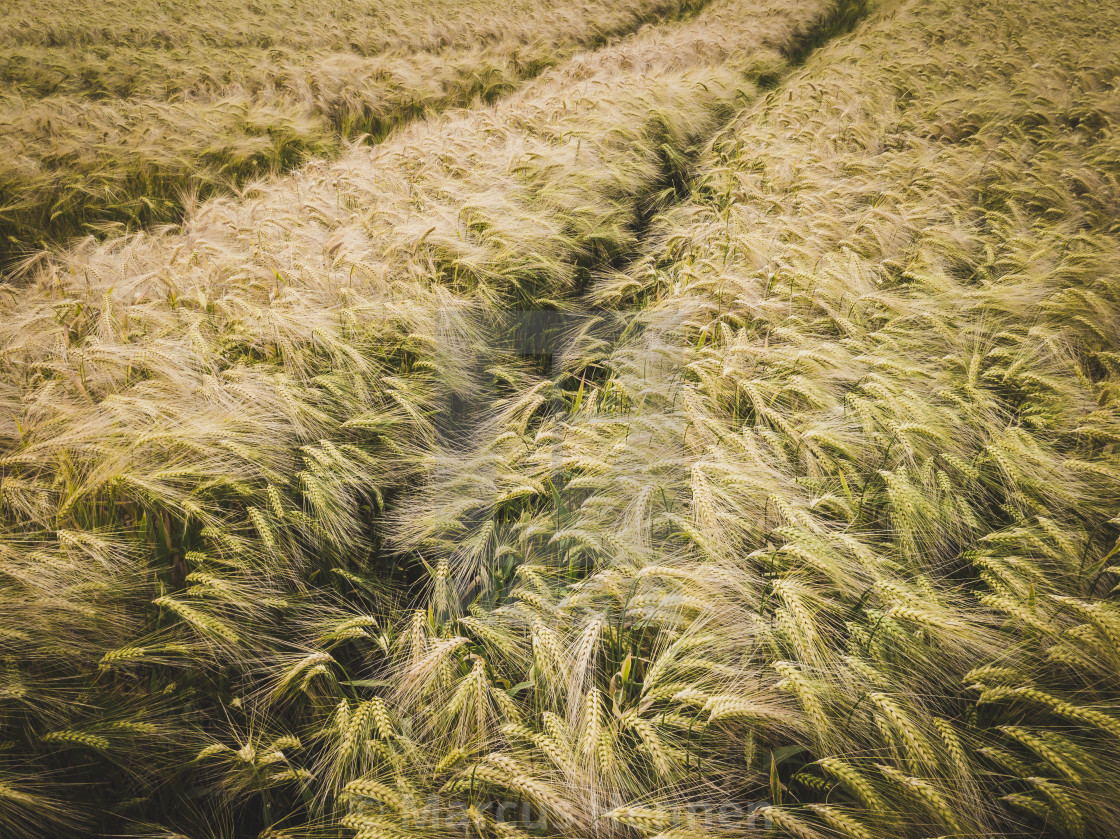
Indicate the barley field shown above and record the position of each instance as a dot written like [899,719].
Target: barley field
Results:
[611,420]
[120,113]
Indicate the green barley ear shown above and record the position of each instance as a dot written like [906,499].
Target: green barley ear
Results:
[301,672]
[918,751]
[925,793]
[791,824]
[1046,749]
[1063,804]
[206,625]
[651,742]
[77,738]
[373,790]
[844,823]
[646,819]
[857,784]
[27,811]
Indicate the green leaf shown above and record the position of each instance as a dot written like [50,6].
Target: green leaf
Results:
[367,683]
[785,753]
